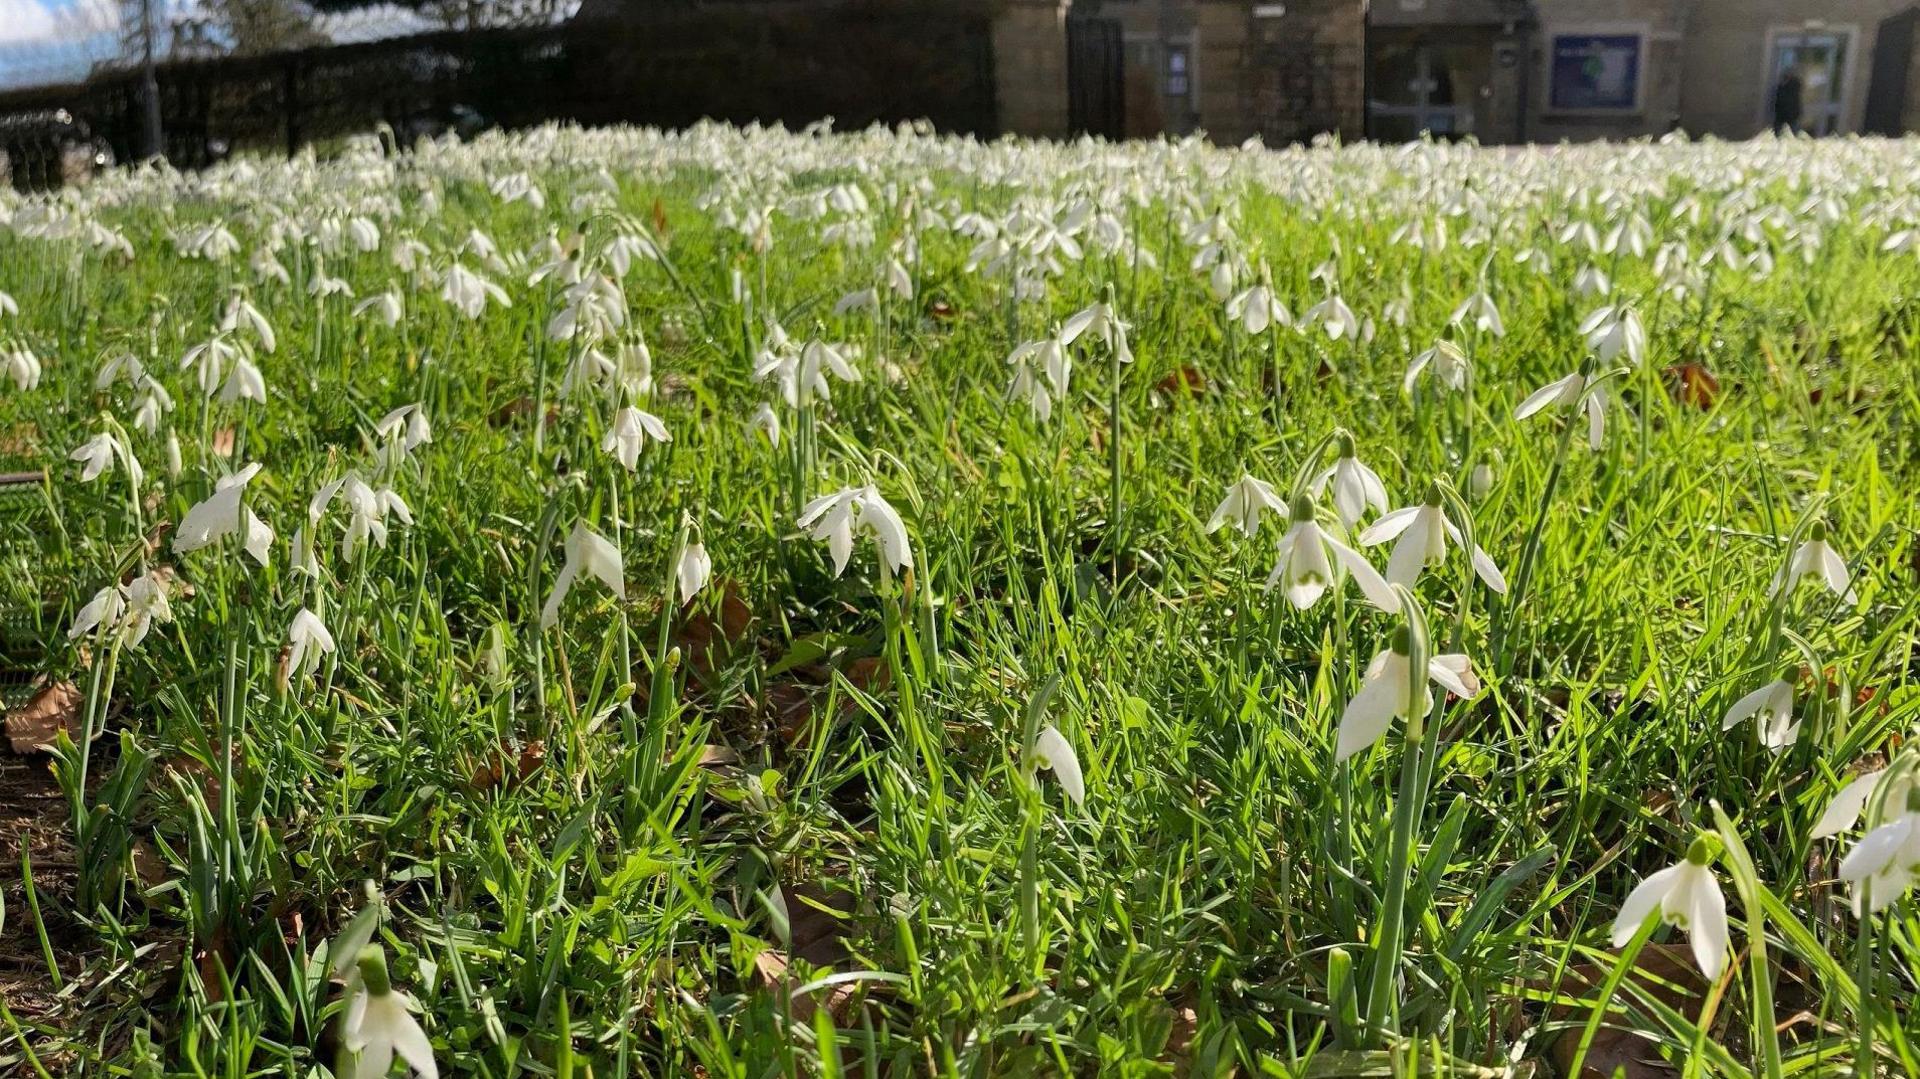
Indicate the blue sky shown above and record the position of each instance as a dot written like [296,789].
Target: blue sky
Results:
[55,40]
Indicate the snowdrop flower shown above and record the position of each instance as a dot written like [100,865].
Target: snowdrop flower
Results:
[146,604]
[590,368]
[97,455]
[173,455]
[765,420]
[244,383]
[1573,389]
[307,641]
[835,517]
[1851,800]
[1479,307]
[1028,387]
[629,434]
[1591,280]
[593,554]
[468,292]
[1686,896]
[1102,323]
[1055,362]
[22,366]
[378,1025]
[801,374]
[408,425]
[8,306]
[118,366]
[866,299]
[1449,364]
[899,280]
[1423,532]
[152,405]
[633,362]
[691,573]
[241,312]
[1814,558]
[367,511]
[1355,486]
[1883,865]
[222,514]
[385,305]
[1772,707]
[103,612]
[1614,329]
[1258,307]
[1052,751]
[1308,559]
[321,286]
[1247,500]
[1386,693]
[1334,316]
[208,360]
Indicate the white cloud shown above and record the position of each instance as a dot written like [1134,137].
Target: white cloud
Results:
[25,22]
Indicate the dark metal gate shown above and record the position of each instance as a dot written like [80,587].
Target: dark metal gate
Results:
[1096,77]
[1887,90]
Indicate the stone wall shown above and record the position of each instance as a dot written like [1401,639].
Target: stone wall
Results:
[1726,91]
[1030,67]
[1283,77]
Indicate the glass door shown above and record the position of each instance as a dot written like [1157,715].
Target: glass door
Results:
[1807,81]
[1412,92]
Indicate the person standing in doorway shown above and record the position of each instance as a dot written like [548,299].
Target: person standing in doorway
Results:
[1786,102]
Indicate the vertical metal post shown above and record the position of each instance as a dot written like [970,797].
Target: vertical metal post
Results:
[151,143]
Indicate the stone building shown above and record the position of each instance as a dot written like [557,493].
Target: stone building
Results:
[1501,71]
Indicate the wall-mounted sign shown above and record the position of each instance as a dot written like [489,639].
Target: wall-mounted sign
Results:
[1595,72]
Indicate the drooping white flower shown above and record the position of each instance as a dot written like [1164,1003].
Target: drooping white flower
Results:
[1771,706]
[1052,751]
[767,421]
[691,573]
[208,360]
[1334,316]
[98,454]
[1851,800]
[1885,863]
[244,383]
[1355,486]
[587,552]
[1098,321]
[1572,389]
[1308,560]
[1615,329]
[1257,307]
[469,292]
[1816,558]
[152,405]
[147,603]
[307,641]
[119,365]
[1422,532]
[629,433]
[1246,501]
[386,306]
[241,313]
[378,1025]
[801,372]
[225,513]
[408,424]
[1687,896]
[1484,315]
[835,518]
[1386,693]
[1448,362]
[20,364]
[103,612]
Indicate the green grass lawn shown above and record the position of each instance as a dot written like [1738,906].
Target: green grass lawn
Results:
[1045,778]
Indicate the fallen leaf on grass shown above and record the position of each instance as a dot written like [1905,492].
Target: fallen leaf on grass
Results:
[36,725]
[1692,384]
[1662,971]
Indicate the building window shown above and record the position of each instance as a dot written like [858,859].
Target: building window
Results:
[1178,84]
[1595,72]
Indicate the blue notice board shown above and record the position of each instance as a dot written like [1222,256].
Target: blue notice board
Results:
[1595,71]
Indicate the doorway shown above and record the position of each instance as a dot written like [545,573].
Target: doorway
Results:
[1420,87]
[1813,65]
